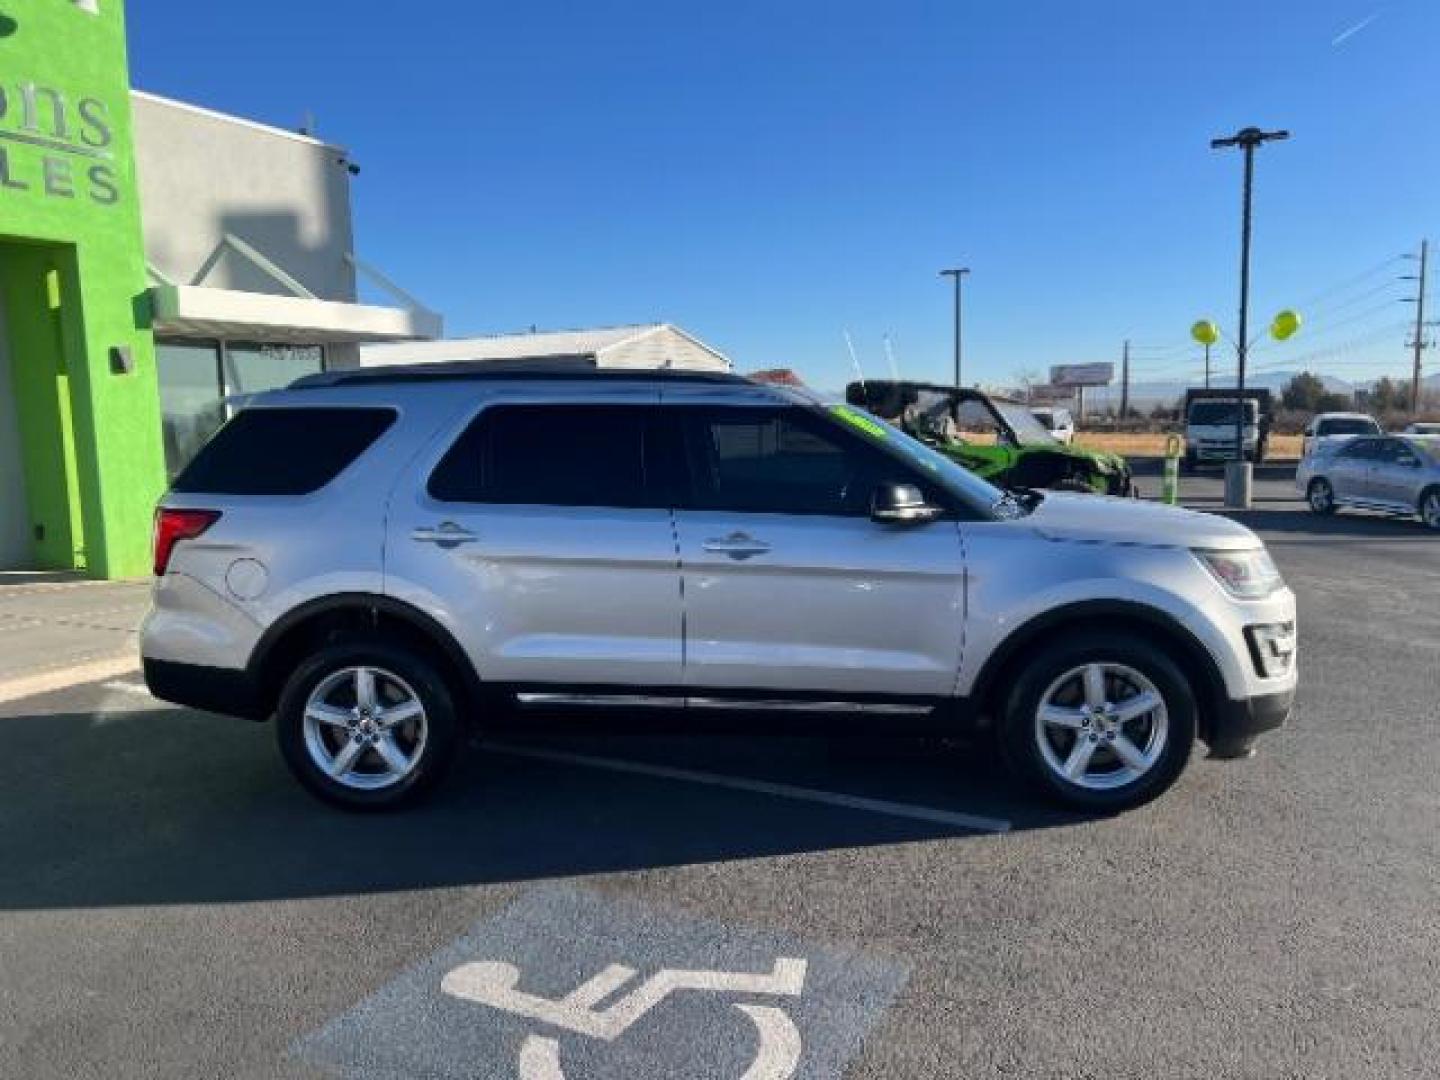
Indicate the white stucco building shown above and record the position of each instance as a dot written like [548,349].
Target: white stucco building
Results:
[657,345]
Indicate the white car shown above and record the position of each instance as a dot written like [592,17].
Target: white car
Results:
[1422,427]
[1328,425]
[1058,422]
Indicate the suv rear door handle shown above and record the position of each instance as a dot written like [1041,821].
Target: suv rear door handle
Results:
[737,545]
[446,534]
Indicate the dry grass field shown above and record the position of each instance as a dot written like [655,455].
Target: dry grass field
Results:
[1142,444]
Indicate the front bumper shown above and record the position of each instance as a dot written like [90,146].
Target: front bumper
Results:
[1236,724]
[1218,451]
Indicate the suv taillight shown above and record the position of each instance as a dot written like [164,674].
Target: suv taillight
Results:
[172,526]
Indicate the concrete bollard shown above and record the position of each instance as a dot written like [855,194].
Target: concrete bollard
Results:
[1170,478]
[1239,477]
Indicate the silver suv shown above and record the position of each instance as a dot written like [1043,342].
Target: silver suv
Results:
[384,559]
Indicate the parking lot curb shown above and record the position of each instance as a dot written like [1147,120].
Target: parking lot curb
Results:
[43,682]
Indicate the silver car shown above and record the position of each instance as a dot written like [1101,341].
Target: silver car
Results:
[1397,474]
[382,559]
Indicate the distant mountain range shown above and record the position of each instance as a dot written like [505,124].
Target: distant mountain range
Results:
[1145,395]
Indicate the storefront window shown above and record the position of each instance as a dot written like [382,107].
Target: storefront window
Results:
[202,383]
[190,400]
[250,368]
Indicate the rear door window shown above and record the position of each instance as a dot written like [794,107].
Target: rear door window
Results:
[1363,449]
[294,451]
[554,455]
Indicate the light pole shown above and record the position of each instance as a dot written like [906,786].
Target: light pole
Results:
[1238,481]
[957,273]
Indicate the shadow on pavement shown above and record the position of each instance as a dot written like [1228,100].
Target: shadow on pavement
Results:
[1370,526]
[169,806]
[1266,470]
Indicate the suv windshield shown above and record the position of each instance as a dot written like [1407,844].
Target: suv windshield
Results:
[1219,412]
[1028,430]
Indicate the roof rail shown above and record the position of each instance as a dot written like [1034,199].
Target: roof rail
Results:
[549,367]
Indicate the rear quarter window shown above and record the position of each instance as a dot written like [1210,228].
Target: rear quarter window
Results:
[267,451]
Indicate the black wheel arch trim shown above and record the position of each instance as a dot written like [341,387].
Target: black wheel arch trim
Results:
[375,604]
[1211,695]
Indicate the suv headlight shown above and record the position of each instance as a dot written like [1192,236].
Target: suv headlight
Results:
[1249,574]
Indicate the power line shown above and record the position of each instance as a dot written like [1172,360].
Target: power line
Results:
[1348,282]
[1359,297]
[1280,364]
[1330,327]
[1146,354]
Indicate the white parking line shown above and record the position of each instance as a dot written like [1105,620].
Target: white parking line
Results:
[126,687]
[64,678]
[973,822]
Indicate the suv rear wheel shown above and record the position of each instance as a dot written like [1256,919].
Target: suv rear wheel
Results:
[1103,724]
[367,725]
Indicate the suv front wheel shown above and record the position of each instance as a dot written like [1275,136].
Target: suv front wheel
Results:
[367,725]
[1104,724]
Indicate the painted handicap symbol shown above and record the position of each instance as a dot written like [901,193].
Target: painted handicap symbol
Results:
[493,983]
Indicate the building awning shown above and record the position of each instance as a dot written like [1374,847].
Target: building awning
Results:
[196,311]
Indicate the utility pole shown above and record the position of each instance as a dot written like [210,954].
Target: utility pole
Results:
[1125,383]
[1247,139]
[957,273]
[1207,365]
[1419,330]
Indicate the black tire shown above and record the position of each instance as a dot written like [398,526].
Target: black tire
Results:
[1423,507]
[441,744]
[1320,497]
[1020,736]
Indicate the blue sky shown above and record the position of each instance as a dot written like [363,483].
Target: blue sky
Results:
[771,174]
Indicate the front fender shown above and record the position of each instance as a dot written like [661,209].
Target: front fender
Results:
[1019,586]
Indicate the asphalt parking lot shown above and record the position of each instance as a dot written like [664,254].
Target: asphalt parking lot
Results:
[171,904]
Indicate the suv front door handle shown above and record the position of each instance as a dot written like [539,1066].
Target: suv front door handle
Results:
[446,534]
[737,545]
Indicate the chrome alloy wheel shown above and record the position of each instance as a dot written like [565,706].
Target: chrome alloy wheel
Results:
[1430,510]
[1101,726]
[365,728]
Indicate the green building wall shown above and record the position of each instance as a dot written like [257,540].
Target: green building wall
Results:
[73,281]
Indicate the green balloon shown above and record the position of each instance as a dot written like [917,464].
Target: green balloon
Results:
[1285,325]
[1205,332]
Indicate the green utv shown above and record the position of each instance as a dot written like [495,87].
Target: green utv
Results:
[992,437]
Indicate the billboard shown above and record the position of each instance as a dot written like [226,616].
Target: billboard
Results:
[1082,374]
[1051,394]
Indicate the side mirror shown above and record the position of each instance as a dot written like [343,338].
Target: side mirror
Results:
[901,504]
